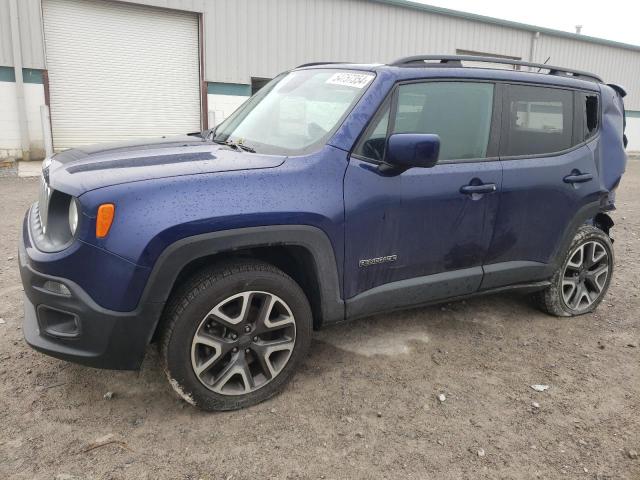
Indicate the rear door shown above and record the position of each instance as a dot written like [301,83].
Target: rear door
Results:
[423,234]
[550,179]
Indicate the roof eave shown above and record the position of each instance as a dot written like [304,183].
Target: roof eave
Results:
[507,23]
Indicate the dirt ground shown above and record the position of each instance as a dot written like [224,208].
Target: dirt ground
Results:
[365,403]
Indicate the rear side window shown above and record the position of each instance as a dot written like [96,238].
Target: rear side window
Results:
[459,112]
[538,120]
[589,111]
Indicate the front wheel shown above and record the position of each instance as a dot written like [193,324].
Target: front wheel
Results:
[234,335]
[584,276]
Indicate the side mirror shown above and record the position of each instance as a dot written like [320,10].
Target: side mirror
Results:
[408,150]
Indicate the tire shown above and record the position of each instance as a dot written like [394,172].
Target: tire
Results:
[566,297]
[263,308]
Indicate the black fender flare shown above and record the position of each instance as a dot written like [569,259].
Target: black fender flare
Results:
[589,213]
[173,259]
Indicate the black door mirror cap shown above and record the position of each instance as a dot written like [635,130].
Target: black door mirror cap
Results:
[409,150]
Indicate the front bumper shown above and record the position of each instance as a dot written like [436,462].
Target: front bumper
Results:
[75,328]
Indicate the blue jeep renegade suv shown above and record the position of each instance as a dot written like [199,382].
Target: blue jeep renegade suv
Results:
[337,191]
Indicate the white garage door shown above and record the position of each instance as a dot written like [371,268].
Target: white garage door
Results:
[119,71]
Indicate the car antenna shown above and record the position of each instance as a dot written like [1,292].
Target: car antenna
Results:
[545,62]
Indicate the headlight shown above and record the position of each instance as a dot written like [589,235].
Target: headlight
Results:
[73,216]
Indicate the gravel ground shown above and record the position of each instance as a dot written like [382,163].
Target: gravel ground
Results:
[364,405]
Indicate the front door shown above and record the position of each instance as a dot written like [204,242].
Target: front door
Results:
[422,235]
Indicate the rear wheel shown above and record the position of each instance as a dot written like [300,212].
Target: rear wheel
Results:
[235,334]
[583,278]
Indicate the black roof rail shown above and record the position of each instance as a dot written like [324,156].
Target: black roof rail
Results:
[313,64]
[456,61]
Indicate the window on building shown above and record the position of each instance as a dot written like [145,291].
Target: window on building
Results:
[538,116]
[538,121]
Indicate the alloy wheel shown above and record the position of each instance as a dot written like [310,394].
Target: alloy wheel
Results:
[243,343]
[585,276]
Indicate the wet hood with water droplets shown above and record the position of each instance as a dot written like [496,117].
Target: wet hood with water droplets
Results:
[83,169]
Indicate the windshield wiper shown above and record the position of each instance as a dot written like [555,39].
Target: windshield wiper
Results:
[246,148]
[235,145]
[205,134]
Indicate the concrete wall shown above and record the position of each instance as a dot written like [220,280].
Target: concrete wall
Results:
[633,133]
[10,146]
[221,106]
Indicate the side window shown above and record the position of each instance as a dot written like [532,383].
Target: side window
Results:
[589,110]
[459,112]
[375,138]
[538,120]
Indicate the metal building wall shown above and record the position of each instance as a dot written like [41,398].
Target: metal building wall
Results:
[260,38]
[614,65]
[31,39]
[188,5]
[271,36]
[275,35]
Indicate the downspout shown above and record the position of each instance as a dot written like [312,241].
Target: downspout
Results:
[17,66]
[532,50]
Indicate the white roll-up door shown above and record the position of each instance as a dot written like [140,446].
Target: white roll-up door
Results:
[120,71]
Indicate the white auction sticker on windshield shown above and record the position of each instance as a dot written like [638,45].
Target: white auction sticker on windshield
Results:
[350,79]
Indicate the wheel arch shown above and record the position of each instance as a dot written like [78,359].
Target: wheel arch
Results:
[604,222]
[303,252]
[589,214]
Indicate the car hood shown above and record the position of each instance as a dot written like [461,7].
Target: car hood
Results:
[82,169]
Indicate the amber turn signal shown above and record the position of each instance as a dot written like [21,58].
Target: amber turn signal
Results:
[104,219]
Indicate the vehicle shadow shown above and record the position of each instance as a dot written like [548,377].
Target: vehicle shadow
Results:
[466,315]
[147,394]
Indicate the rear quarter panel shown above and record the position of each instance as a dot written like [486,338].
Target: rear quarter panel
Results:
[611,155]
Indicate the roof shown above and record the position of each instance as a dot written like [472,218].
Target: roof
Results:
[506,23]
[401,73]
[456,61]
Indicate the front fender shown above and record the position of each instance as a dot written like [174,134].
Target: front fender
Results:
[171,262]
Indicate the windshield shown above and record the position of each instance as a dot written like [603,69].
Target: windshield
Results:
[295,112]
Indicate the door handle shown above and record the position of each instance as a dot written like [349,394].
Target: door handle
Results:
[578,178]
[478,189]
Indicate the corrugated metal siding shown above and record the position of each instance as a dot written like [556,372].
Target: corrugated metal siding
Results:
[30,20]
[6,55]
[31,34]
[279,34]
[614,65]
[186,5]
[260,38]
